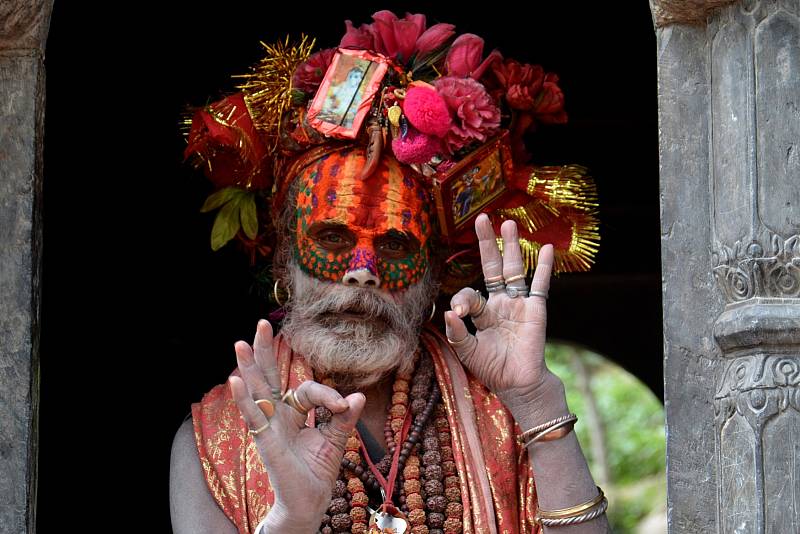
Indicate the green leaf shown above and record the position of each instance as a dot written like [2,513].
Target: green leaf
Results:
[225,225]
[221,197]
[247,215]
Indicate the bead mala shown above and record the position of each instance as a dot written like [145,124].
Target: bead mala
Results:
[428,487]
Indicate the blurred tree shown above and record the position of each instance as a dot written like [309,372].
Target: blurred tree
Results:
[621,429]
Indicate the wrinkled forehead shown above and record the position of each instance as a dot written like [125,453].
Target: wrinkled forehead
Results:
[390,199]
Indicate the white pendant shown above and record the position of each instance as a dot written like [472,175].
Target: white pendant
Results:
[388,524]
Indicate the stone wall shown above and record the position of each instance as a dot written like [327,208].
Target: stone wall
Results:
[23,30]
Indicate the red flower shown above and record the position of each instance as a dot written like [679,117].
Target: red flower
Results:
[527,88]
[521,82]
[464,57]
[549,107]
[477,117]
[309,74]
[228,146]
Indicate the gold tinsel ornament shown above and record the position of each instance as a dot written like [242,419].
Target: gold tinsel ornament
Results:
[268,87]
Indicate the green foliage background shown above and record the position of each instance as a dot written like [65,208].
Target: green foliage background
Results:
[633,419]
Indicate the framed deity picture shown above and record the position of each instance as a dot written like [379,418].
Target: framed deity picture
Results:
[346,93]
[472,185]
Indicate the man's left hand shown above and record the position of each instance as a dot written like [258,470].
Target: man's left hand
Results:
[507,352]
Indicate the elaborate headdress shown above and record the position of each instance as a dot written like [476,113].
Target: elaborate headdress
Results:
[428,96]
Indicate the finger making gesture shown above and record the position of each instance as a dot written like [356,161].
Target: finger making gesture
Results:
[302,462]
[507,352]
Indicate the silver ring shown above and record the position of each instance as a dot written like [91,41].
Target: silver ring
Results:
[535,293]
[495,286]
[514,292]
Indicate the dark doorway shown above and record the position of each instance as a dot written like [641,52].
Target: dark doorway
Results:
[139,316]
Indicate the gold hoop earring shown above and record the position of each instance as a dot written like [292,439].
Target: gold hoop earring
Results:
[433,312]
[275,294]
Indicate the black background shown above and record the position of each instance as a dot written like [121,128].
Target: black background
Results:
[139,316]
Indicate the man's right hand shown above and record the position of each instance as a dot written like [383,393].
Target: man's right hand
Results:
[302,463]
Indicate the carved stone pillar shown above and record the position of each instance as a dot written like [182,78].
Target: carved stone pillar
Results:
[729,105]
[23,29]
[755,97]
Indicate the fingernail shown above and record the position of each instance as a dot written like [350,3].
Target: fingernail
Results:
[262,322]
[459,309]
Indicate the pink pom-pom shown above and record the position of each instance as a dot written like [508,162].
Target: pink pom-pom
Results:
[415,147]
[427,111]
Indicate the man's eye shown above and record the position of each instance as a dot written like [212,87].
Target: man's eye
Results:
[394,246]
[331,237]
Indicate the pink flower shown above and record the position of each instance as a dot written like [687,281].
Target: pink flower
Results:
[476,116]
[427,111]
[464,57]
[361,37]
[309,74]
[433,38]
[397,38]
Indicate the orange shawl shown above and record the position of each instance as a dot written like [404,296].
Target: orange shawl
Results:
[497,486]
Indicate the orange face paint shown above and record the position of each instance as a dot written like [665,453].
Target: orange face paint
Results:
[380,224]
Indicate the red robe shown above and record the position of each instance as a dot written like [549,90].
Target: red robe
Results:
[497,488]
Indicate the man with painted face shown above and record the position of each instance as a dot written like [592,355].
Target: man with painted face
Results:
[359,416]
[358,269]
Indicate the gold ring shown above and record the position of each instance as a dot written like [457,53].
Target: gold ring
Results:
[259,430]
[482,306]
[498,278]
[290,398]
[515,278]
[267,407]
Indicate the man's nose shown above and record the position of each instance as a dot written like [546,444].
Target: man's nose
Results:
[362,270]
[361,278]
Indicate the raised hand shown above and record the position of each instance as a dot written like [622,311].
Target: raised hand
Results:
[302,462]
[507,353]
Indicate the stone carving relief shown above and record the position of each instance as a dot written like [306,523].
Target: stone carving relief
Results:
[758,387]
[746,270]
[757,409]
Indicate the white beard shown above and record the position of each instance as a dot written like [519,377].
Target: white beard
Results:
[355,336]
